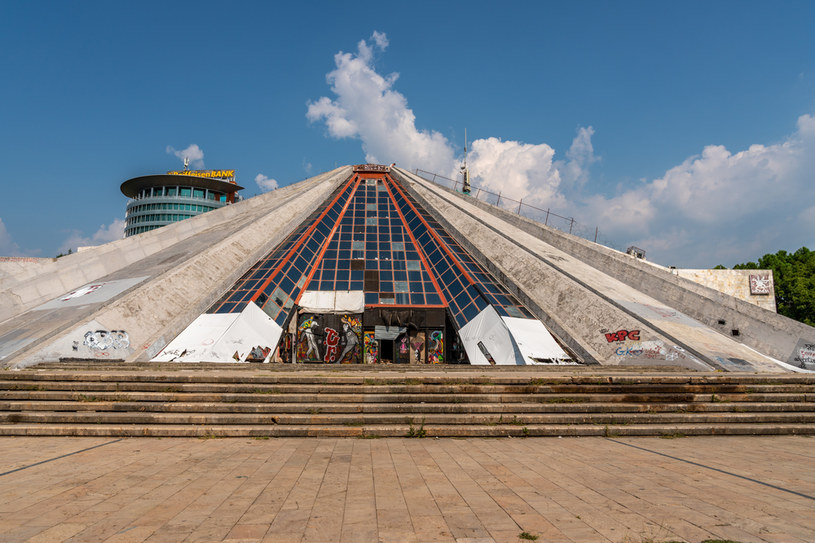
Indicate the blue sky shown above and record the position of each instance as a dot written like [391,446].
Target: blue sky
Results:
[687,129]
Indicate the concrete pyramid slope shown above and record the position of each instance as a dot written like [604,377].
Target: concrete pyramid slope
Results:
[597,297]
[147,288]
[475,283]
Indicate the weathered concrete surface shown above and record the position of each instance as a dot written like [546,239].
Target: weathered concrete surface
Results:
[27,285]
[400,490]
[760,329]
[734,283]
[583,301]
[182,273]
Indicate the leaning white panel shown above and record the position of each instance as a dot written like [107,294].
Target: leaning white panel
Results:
[535,342]
[224,337]
[193,344]
[253,329]
[488,330]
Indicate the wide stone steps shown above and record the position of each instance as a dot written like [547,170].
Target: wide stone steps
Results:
[250,400]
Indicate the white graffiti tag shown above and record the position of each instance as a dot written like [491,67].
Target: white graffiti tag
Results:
[102,340]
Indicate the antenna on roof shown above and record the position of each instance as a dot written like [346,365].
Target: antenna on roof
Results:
[464,171]
[186,163]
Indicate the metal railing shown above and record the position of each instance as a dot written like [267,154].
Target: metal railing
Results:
[546,216]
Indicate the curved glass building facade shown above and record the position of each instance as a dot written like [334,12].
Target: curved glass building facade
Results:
[158,200]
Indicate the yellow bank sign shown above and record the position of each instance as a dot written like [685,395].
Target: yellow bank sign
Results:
[219,174]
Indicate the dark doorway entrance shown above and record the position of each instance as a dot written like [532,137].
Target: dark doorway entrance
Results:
[386,351]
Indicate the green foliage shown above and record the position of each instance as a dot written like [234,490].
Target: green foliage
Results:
[794,277]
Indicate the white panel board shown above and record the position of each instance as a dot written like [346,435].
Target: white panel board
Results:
[333,301]
[535,342]
[197,339]
[253,329]
[489,330]
[224,337]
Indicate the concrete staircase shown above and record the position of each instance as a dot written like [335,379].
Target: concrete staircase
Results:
[251,400]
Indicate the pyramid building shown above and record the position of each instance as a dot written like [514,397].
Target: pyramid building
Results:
[370,264]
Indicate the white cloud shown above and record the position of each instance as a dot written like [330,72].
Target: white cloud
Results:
[717,207]
[731,207]
[193,152]
[7,245]
[366,107]
[265,183]
[105,234]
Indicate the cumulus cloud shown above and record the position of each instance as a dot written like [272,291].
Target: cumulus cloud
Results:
[265,183]
[368,108]
[7,245]
[730,206]
[105,234]
[192,152]
[720,206]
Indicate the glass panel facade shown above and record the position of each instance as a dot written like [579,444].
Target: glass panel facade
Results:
[371,236]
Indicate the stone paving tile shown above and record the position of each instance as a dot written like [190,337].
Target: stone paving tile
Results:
[425,490]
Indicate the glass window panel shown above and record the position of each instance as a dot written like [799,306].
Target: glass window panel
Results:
[371,221]
[402,298]
[433,298]
[400,286]
[417,298]
[371,297]
[355,285]
[413,264]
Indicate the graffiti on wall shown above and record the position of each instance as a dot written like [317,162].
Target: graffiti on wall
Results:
[760,284]
[803,356]
[329,338]
[371,348]
[417,348]
[351,330]
[623,335]
[104,340]
[435,347]
[102,344]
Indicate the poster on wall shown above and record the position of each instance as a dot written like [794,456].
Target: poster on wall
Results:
[330,339]
[371,348]
[417,348]
[435,347]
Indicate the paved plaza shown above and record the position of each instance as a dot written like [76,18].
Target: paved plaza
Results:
[635,490]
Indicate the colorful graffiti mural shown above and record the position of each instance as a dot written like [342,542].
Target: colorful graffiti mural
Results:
[435,347]
[318,339]
[351,330]
[371,348]
[417,348]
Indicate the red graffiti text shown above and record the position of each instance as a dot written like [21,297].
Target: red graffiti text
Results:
[622,335]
